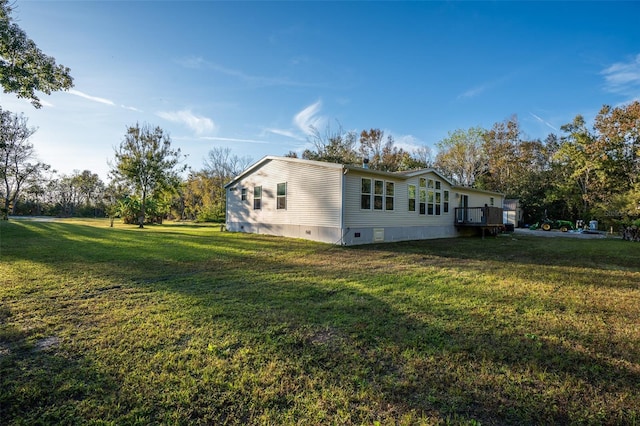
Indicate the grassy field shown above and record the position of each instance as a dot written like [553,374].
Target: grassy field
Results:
[183,324]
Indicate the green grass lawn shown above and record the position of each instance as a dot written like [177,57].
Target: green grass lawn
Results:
[183,324]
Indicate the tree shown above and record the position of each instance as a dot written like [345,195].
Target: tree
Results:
[332,146]
[220,167]
[24,68]
[618,145]
[17,157]
[501,145]
[579,174]
[461,157]
[147,163]
[371,147]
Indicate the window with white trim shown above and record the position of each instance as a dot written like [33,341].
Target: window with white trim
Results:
[243,194]
[257,197]
[423,196]
[281,195]
[365,194]
[378,194]
[389,195]
[412,198]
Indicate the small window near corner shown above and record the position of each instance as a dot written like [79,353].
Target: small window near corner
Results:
[365,194]
[282,196]
[243,193]
[257,197]
[491,201]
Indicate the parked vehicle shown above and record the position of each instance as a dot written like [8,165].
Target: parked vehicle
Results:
[549,224]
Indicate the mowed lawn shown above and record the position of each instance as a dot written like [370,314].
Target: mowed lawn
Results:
[184,324]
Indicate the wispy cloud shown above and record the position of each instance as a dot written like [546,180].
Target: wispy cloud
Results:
[284,132]
[221,139]
[472,93]
[623,77]
[308,119]
[198,62]
[198,124]
[92,98]
[543,121]
[100,100]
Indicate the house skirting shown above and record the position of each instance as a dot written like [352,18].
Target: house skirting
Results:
[323,234]
[369,235]
[349,236]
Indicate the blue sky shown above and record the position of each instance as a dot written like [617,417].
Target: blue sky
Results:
[254,76]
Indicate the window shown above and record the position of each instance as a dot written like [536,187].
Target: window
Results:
[257,197]
[446,202]
[412,198]
[389,193]
[438,183]
[365,197]
[438,202]
[378,193]
[491,201]
[243,193]
[281,202]
[423,196]
[430,202]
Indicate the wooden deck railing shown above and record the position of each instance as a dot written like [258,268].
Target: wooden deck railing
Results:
[478,216]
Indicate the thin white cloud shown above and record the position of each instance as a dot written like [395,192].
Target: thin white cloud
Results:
[91,98]
[472,93]
[543,121]
[100,100]
[197,62]
[284,132]
[198,124]
[221,139]
[308,119]
[193,62]
[130,108]
[46,104]
[623,77]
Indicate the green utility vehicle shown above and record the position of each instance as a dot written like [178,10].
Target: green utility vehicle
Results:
[549,224]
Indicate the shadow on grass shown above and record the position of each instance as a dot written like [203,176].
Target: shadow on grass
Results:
[339,329]
[41,383]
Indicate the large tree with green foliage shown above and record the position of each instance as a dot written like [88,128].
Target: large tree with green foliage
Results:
[24,68]
[461,156]
[146,163]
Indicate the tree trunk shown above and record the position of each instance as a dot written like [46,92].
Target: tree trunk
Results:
[142,210]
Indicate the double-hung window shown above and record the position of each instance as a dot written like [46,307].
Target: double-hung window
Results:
[257,197]
[281,195]
[446,202]
[365,194]
[423,196]
[412,198]
[378,193]
[389,195]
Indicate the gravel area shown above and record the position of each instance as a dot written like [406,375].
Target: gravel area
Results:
[557,233]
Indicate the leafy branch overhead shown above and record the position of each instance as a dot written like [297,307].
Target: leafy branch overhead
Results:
[24,68]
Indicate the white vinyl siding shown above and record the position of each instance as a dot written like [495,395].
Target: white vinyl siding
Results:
[312,195]
[403,191]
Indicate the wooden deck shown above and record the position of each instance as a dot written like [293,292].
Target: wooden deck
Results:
[484,218]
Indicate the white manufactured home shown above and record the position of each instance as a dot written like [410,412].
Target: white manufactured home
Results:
[347,205]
